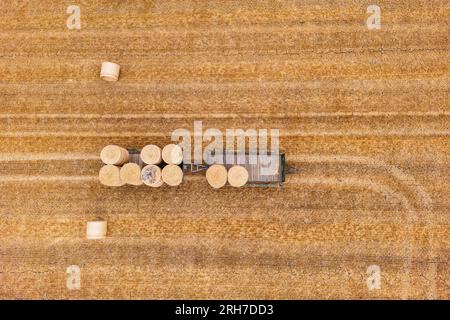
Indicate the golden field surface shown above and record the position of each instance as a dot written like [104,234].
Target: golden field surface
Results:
[364,118]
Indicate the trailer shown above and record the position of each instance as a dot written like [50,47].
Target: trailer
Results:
[253,162]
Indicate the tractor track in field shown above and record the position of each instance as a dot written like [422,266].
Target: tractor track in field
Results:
[363,118]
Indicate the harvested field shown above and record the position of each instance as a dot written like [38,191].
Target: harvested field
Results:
[364,117]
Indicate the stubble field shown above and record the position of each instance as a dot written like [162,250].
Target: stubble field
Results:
[364,117]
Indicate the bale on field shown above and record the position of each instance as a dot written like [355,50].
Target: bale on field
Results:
[96,229]
[110,71]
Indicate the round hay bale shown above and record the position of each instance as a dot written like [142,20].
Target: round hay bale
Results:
[151,176]
[172,154]
[112,154]
[96,229]
[237,176]
[172,175]
[216,175]
[109,175]
[151,154]
[130,173]
[110,71]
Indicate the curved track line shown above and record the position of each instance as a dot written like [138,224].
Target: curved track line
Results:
[425,200]
[406,179]
[381,189]
[352,182]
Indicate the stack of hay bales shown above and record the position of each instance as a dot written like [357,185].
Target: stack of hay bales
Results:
[151,173]
[218,176]
[113,157]
[155,167]
[152,166]
[172,174]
